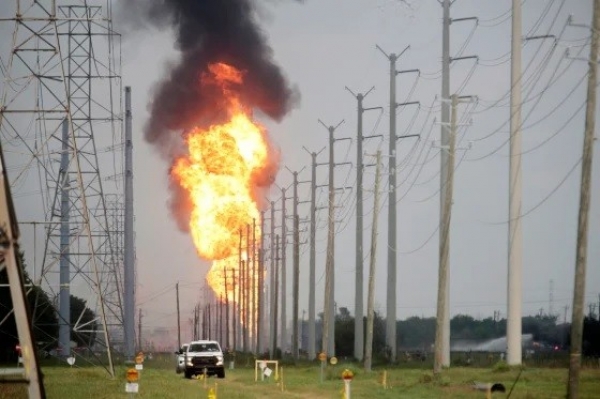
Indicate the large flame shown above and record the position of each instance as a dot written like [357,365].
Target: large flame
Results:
[219,173]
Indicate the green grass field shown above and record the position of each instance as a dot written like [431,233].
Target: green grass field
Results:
[159,380]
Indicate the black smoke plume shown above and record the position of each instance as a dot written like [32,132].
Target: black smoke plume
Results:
[207,32]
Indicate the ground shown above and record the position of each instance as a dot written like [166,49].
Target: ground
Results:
[159,380]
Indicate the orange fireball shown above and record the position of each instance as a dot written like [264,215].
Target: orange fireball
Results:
[218,175]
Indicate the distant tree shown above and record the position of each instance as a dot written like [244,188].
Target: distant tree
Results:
[379,325]
[463,326]
[591,337]
[83,316]
[344,333]
[416,333]
[543,328]
[44,319]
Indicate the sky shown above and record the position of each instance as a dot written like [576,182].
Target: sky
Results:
[324,46]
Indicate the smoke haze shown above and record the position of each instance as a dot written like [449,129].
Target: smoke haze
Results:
[206,32]
[209,31]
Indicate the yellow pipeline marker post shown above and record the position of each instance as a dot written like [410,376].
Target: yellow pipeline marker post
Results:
[347,376]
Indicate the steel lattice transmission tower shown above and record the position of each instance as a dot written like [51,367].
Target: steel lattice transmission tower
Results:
[61,120]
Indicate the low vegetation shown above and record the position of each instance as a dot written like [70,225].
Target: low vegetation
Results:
[159,380]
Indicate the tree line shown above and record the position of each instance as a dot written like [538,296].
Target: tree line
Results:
[418,333]
[45,319]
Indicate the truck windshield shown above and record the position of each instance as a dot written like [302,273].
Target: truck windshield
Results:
[208,347]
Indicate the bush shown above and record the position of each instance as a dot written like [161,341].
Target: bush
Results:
[501,367]
[426,378]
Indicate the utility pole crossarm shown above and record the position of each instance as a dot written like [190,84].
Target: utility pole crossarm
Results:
[466,57]
[408,136]
[343,138]
[392,55]
[331,128]
[408,103]
[476,19]
[372,136]
[342,163]
[538,37]
[409,71]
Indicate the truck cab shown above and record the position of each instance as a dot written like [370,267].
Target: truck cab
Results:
[204,357]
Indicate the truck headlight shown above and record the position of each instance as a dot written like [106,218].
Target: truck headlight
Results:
[219,360]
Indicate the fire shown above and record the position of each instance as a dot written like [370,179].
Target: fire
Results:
[220,173]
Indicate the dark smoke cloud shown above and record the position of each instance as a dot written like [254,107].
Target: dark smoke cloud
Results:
[209,31]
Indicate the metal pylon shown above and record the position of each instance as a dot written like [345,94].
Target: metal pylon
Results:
[63,68]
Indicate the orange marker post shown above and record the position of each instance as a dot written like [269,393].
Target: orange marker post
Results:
[132,376]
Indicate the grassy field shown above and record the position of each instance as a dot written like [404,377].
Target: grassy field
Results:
[159,380]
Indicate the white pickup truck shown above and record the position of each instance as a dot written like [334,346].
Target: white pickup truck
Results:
[204,357]
[181,358]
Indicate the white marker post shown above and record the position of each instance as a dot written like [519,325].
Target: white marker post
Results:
[262,366]
[132,386]
[323,359]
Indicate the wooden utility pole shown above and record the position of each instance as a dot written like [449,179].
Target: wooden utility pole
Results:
[198,320]
[328,336]
[275,295]
[242,307]
[273,290]
[372,262]
[247,287]
[296,286]
[584,207]
[260,334]
[442,307]
[178,316]
[283,287]
[239,293]
[312,255]
[227,341]
[220,318]
[253,286]
[233,318]
[211,320]
[204,329]
[515,232]
[444,138]
[140,329]
[296,273]
[358,287]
